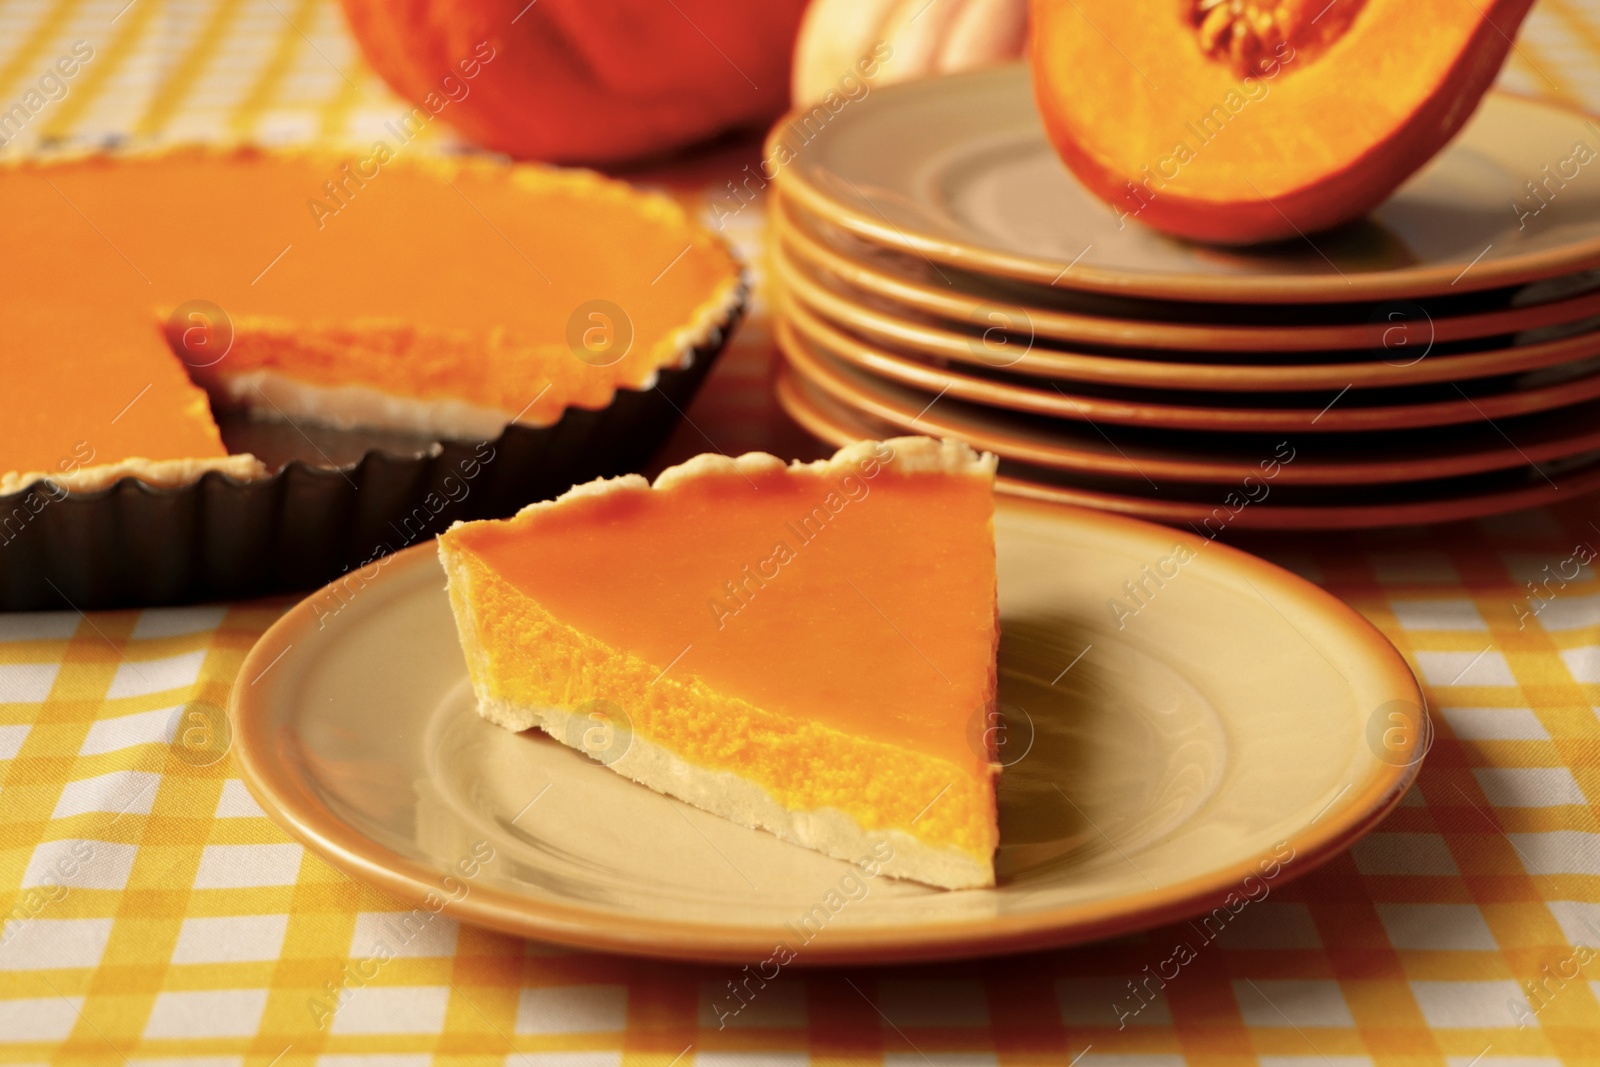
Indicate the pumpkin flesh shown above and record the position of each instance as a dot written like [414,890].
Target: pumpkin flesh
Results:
[1235,136]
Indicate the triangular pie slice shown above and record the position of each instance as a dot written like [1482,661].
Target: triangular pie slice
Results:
[805,649]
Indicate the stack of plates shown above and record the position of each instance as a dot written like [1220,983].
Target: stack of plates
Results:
[937,270]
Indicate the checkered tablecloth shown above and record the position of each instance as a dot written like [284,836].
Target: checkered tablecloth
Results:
[155,915]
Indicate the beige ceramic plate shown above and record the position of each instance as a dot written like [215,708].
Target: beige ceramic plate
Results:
[1242,717]
[1533,391]
[957,169]
[873,273]
[1225,508]
[1006,339]
[1216,459]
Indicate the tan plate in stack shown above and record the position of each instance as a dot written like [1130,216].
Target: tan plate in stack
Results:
[938,270]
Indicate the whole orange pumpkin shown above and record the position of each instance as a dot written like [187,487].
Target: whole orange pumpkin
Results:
[584,81]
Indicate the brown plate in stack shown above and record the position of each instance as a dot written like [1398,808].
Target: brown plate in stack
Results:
[938,270]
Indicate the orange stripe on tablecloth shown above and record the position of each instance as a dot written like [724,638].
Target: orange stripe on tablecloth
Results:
[35,778]
[1498,883]
[485,987]
[263,94]
[1532,653]
[174,90]
[130,26]
[1547,75]
[1582,24]
[356,83]
[1372,974]
[28,60]
[843,1024]
[1208,1024]
[336,113]
[1024,1014]
[46,765]
[663,1015]
[1475,831]
[137,963]
[318,953]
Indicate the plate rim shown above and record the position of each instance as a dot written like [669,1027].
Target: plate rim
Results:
[1255,517]
[889,328]
[1265,289]
[818,373]
[877,360]
[790,235]
[289,802]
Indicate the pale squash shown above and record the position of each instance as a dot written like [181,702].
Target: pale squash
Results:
[898,40]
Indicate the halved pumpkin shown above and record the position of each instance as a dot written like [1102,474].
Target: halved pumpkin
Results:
[1241,121]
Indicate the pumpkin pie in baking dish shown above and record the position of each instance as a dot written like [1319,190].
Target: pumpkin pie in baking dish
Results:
[818,659]
[447,297]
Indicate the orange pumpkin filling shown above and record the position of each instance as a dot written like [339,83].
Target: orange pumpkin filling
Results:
[826,633]
[383,284]
[70,406]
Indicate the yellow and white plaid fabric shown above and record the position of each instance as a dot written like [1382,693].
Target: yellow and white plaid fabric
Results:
[153,915]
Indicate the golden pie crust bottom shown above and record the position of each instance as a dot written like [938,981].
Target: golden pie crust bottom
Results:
[162,473]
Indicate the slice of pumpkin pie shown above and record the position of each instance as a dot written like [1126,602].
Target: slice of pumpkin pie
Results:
[803,649]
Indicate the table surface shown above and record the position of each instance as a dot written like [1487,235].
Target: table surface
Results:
[185,927]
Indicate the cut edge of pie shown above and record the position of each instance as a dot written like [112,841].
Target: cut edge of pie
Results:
[270,393]
[954,849]
[281,398]
[266,391]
